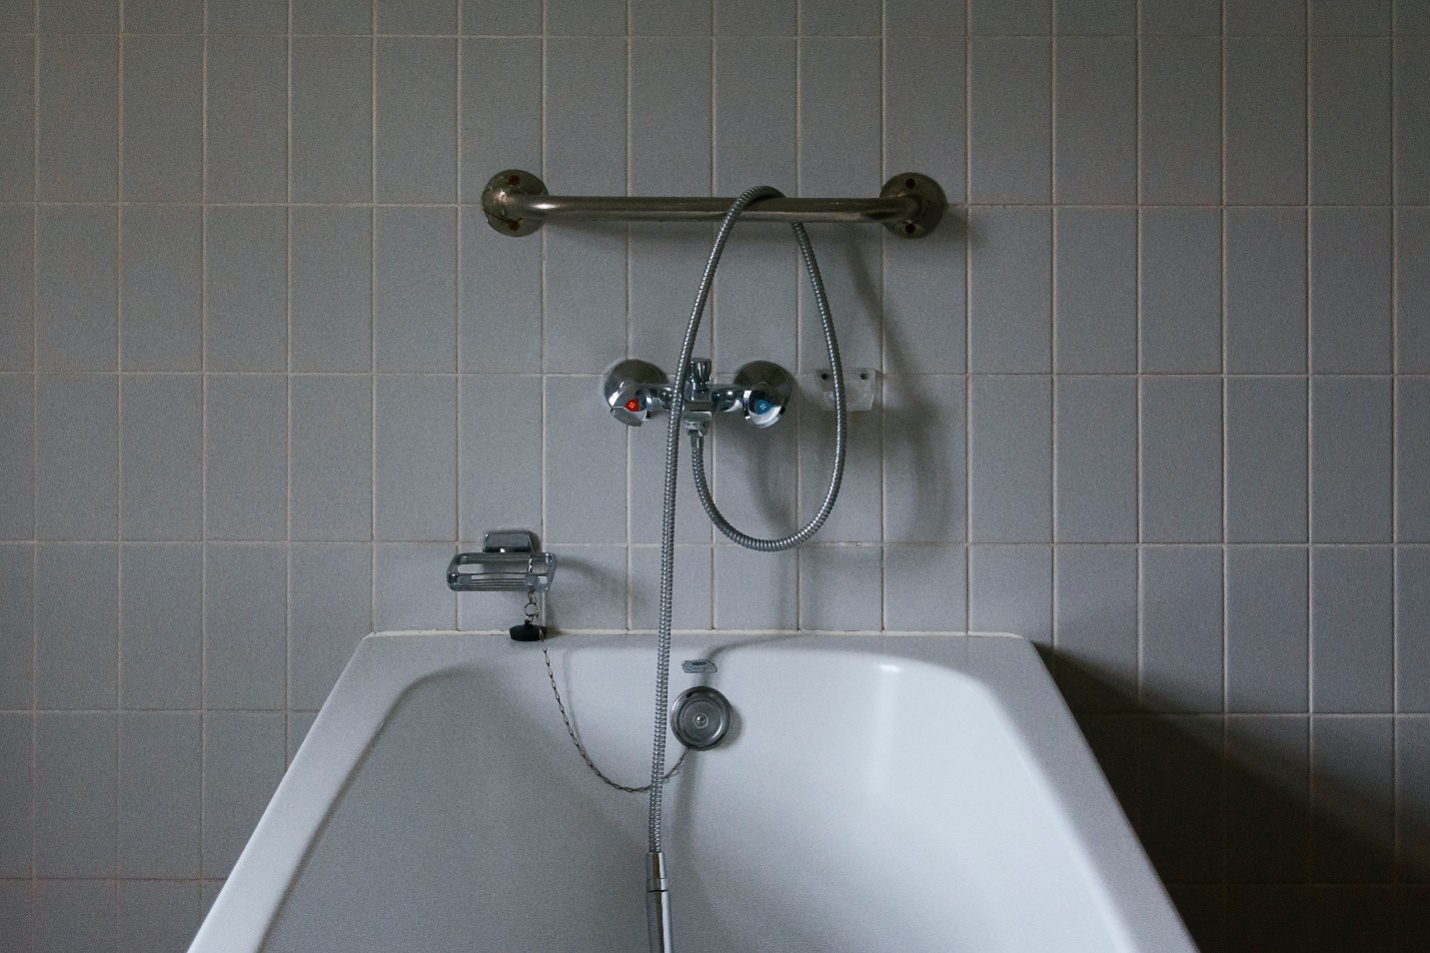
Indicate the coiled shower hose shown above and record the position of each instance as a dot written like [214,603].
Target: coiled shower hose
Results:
[697,441]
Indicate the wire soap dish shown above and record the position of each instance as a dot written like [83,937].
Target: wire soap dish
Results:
[509,561]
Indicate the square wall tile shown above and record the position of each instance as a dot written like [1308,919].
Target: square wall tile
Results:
[1182,628]
[1412,255]
[331,116]
[1096,636]
[1266,459]
[500,91]
[1009,17]
[160,762]
[861,495]
[416,458]
[77,288]
[839,115]
[157,916]
[1351,465]
[1352,629]
[1351,260]
[1412,628]
[331,290]
[499,319]
[247,16]
[662,19]
[1010,116]
[1412,756]
[246,457]
[17,119]
[161,634]
[852,17]
[247,125]
[1095,498]
[925,100]
[1266,17]
[16,829]
[585,464]
[1369,18]
[17,288]
[1267,634]
[16,917]
[77,457]
[595,593]
[17,625]
[1412,457]
[574,18]
[17,465]
[1010,589]
[585,111]
[1095,305]
[755,590]
[1095,129]
[839,587]
[161,289]
[1410,83]
[585,303]
[1011,461]
[165,16]
[925,588]
[410,589]
[72,916]
[75,778]
[692,608]
[245,625]
[416,137]
[331,599]
[1181,459]
[244,758]
[1094,17]
[499,17]
[670,107]
[1010,293]
[331,472]
[500,454]
[756,113]
[78,155]
[76,628]
[246,317]
[161,484]
[925,459]
[163,118]
[416,16]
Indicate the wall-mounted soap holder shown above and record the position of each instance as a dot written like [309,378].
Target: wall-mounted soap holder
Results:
[861,385]
[509,561]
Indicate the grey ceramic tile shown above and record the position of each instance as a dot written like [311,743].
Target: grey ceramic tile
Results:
[1368,18]
[246,465]
[211,890]
[1411,88]
[1350,916]
[17,286]
[245,625]
[502,17]
[157,916]
[77,457]
[332,119]
[247,16]
[1010,589]
[839,587]
[1412,628]
[334,16]
[839,116]
[78,155]
[575,18]
[755,111]
[584,326]
[1181,445]
[243,762]
[416,138]
[1412,903]
[585,103]
[299,724]
[1266,629]
[1181,119]
[1095,304]
[161,634]
[693,606]
[1412,255]
[1095,128]
[1183,818]
[416,16]
[925,106]
[1412,756]
[1352,799]
[1096,595]
[1202,910]
[1180,330]
[160,289]
[1009,17]
[1351,253]
[17,119]
[1115,743]
[1010,292]
[72,916]
[160,761]
[1266,489]
[1350,120]
[597,577]
[840,17]
[17,624]
[162,479]
[1265,121]
[76,289]
[331,472]
[1094,17]
[16,917]
[761,500]
[165,16]
[1096,460]
[75,780]
[1351,466]
[16,740]
[654,18]
[1268,796]
[1010,119]
[755,590]
[585,464]
[857,519]
[925,459]
[1411,18]
[1010,451]
[852,270]
[416,458]
[17,465]
[500,454]
[246,320]
[926,588]
[499,319]
[17,16]
[1265,256]
[1179,17]
[331,293]
[670,116]
[1412,460]
[1182,628]
[247,112]
[925,317]
[663,270]
[79,16]
[754,18]
[411,587]
[331,612]
[163,119]
[1351,630]
[501,104]
[1266,17]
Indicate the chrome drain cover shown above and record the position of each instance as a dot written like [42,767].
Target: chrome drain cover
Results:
[700,717]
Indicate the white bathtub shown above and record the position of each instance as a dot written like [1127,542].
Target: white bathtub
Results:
[900,793]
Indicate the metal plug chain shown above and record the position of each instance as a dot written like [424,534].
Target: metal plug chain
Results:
[531,615]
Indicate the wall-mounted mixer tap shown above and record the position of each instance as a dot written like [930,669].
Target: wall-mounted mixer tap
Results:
[637,390]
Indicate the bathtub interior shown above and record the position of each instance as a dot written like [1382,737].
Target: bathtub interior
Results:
[865,801]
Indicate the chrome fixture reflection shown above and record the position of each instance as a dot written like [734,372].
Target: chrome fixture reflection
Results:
[637,390]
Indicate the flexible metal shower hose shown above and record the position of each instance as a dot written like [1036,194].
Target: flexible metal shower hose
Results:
[672,454]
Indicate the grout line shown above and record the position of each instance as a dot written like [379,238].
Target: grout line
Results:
[288,390]
[34,779]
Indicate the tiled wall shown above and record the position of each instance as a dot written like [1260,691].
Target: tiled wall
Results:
[1158,398]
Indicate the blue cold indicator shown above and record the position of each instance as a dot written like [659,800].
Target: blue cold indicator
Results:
[762,406]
